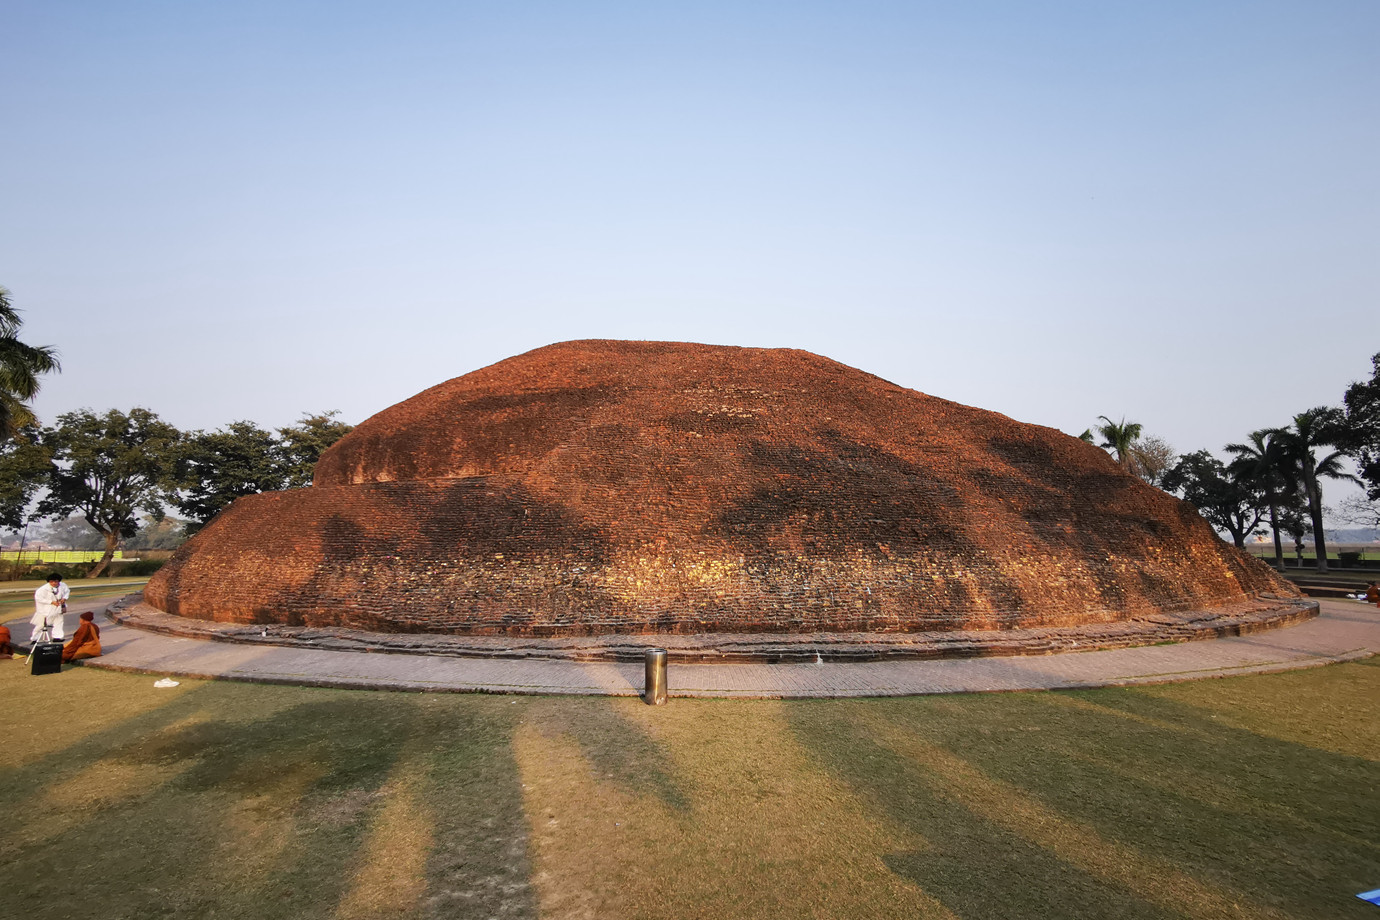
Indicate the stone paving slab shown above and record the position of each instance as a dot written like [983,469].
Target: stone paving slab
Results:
[1344,631]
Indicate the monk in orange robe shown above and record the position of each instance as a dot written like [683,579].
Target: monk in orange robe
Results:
[1373,593]
[85,642]
[6,650]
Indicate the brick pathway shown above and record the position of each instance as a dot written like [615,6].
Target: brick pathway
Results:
[1345,630]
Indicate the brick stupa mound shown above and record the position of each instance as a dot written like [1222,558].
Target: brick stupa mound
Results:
[601,487]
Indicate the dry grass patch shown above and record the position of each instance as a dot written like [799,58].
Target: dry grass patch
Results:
[702,809]
[1249,797]
[389,877]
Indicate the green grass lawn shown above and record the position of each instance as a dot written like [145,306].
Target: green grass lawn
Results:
[17,603]
[81,587]
[1266,553]
[1252,797]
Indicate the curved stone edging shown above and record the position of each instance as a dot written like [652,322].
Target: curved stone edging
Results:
[1242,618]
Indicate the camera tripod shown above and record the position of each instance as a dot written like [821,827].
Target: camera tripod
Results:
[45,634]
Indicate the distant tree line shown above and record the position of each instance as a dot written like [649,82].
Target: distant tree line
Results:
[120,472]
[1274,476]
[113,471]
[166,533]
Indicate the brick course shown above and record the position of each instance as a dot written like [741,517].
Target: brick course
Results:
[631,487]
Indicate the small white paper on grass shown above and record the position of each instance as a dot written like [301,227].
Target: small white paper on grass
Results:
[1371,896]
[165,682]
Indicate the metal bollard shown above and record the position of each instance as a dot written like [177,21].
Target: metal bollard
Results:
[654,687]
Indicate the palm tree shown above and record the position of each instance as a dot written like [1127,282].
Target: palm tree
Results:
[1120,439]
[20,367]
[1264,462]
[1311,430]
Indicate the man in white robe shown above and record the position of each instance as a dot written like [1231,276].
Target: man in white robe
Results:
[50,603]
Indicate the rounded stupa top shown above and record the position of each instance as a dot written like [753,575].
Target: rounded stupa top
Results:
[574,395]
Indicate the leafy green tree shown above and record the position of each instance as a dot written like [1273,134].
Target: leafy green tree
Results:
[1294,519]
[1148,457]
[1120,438]
[108,468]
[20,367]
[23,469]
[305,442]
[1264,463]
[1316,429]
[1359,430]
[1227,504]
[214,468]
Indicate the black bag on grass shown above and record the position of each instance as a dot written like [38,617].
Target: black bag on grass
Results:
[47,658]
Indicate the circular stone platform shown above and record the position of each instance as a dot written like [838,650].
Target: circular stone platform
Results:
[1343,631]
[596,489]
[1239,619]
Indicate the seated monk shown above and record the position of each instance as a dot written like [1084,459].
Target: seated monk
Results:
[6,650]
[85,642]
[1373,593]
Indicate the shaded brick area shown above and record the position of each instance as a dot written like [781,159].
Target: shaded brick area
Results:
[630,487]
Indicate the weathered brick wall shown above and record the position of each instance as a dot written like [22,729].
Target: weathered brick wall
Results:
[627,487]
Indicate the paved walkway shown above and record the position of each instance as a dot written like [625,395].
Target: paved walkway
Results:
[78,585]
[1346,630]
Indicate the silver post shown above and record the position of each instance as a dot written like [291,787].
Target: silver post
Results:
[654,689]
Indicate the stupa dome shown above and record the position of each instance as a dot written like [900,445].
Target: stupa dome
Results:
[625,487]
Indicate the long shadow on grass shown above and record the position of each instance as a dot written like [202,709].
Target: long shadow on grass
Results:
[619,750]
[479,865]
[975,867]
[18,784]
[227,816]
[1281,824]
[1292,824]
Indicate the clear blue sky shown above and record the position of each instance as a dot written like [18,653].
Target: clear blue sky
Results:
[1168,211]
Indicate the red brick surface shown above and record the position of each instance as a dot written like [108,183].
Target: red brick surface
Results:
[601,486]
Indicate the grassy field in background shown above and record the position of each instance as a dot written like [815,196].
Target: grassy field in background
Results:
[1252,797]
[17,598]
[1368,551]
[39,556]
